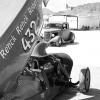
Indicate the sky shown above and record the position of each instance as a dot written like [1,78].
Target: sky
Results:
[57,5]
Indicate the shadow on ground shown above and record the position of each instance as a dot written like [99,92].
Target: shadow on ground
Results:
[66,95]
[94,94]
[72,94]
[66,44]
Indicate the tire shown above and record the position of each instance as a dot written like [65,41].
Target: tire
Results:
[72,37]
[84,80]
[59,42]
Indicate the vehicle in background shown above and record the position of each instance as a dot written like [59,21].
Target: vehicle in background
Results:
[57,33]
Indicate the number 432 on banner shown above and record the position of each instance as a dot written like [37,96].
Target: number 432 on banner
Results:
[31,37]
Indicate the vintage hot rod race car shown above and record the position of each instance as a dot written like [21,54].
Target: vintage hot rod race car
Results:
[27,72]
[59,31]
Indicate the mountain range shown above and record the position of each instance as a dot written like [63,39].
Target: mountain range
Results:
[81,10]
[46,11]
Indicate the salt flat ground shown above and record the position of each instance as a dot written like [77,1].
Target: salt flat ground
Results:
[85,52]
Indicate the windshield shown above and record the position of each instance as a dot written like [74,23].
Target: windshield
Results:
[8,11]
[53,25]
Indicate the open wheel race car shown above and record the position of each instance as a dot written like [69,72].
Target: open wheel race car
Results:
[27,72]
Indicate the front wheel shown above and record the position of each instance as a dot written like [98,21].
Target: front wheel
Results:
[59,42]
[84,80]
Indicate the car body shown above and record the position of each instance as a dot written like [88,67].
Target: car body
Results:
[58,33]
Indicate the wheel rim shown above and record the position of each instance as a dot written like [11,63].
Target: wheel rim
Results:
[87,79]
[81,81]
[84,80]
[58,43]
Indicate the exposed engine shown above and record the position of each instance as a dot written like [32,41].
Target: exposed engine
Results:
[38,74]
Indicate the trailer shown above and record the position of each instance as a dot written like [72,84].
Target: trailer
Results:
[88,21]
[78,22]
[73,21]
[59,18]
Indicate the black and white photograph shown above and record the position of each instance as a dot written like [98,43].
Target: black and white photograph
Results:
[49,49]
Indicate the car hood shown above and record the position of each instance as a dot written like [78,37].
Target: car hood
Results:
[51,29]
